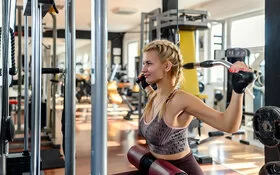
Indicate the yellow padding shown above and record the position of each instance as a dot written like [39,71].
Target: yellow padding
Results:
[187,47]
[135,88]
[113,94]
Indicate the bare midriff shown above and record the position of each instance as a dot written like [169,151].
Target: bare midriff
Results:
[172,156]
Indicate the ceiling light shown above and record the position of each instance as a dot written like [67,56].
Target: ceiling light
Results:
[124,11]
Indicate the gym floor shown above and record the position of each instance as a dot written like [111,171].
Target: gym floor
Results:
[229,156]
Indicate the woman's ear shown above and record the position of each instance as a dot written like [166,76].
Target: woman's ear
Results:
[168,66]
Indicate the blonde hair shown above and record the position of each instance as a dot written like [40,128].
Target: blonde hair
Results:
[167,51]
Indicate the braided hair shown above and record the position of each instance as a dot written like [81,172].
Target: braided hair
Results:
[167,51]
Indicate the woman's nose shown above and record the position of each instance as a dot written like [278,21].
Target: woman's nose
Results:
[144,69]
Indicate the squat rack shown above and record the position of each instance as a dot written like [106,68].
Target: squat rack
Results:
[98,84]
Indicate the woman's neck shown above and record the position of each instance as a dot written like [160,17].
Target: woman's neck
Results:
[164,90]
[165,86]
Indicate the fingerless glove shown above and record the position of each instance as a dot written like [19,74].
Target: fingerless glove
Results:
[240,81]
[142,81]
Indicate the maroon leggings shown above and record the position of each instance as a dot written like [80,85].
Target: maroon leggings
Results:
[188,164]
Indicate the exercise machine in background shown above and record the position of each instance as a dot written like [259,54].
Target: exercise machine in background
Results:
[112,88]
[18,163]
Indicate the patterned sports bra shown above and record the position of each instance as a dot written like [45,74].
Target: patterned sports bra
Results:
[164,139]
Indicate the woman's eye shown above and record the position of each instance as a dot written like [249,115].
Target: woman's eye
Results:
[146,64]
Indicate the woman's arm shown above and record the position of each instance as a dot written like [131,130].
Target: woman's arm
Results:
[233,114]
[230,119]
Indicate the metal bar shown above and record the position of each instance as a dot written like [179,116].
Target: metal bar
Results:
[46,86]
[150,29]
[34,9]
[5,82]
[19,68]
[223,35]
[39,85]
[209,51]
[93,86]
[227,44]
[197,25]
[26,84]
[224,63]
[186,11]
[99,104]
[53,119]
[36,87]
[70,63]
[143,16]
[158,27]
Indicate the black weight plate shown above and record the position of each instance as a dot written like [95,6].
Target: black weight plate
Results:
[266,125]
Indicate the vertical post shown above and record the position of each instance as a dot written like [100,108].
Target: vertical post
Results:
[19,68]
[70,63]
[143,16]
[224,31]
[4,82]
[209,50]
[150,30]
[99,102]
[36,87]
[26,83]
[272,71]
[224,46]
[158,18]
[53,85]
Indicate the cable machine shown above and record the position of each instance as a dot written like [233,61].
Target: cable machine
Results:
[6,124]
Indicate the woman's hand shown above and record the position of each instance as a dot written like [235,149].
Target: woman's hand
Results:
[239,66]
[141,80]
[242,76]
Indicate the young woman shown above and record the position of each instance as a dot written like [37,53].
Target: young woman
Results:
[170,110]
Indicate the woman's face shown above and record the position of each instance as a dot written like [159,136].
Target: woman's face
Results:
[153,68]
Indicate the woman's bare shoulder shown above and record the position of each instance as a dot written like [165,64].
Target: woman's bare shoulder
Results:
[183,98]
[178,96]
[180,93]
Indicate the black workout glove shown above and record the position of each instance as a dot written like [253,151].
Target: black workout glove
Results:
[141,80]
[240,81]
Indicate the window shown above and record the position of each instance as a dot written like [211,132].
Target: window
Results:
[248,32]
[217,73]
[132,52]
